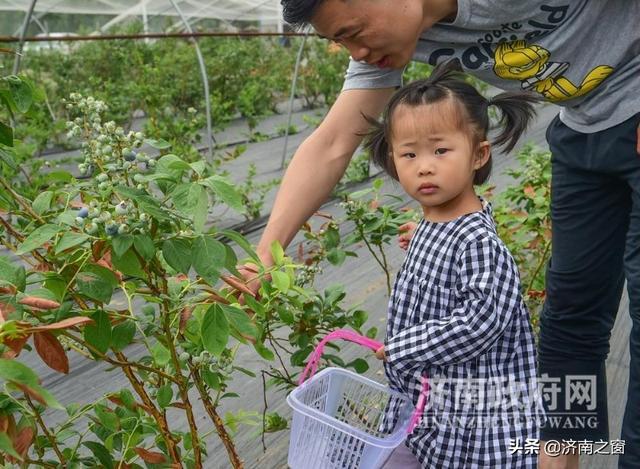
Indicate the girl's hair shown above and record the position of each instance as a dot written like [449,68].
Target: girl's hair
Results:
[446,82]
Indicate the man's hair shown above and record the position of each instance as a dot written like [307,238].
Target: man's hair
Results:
[298,13]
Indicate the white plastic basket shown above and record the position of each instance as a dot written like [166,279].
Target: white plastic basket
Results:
[339,421]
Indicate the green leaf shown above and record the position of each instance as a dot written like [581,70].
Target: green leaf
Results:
[6,134]
[121,244]
[12,274]
[240,321]
[12,370]
[94,286]
[107,417]
[122,335]
[187,196]
[360,365]
[7,448]
[173,166]
[144,245]
[242,242]
[211,379]
[264,352]
[38,237]
[214,330]
[336,256]
[177,253]
[280,280]
[128,264]
[16,372]
[101,453]
[98,334]
[160,354]
[200,212]
[158,144]
[225,191]
[105,274]
[165,394]
[277,252]
[42,202]
[69,240]
[208,257]
[8,155]
[22,93]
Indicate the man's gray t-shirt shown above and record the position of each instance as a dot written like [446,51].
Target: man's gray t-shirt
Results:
[583,55]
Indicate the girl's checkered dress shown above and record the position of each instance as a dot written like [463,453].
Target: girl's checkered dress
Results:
[456,315]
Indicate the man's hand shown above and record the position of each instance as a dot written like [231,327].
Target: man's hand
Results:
[405,233]
[380,354]
[249,273]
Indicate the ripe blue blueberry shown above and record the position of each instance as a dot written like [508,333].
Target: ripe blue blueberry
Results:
[83,212]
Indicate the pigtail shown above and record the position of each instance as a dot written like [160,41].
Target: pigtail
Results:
[517,111]
[377,145]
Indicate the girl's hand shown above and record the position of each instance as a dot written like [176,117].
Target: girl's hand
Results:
[405,233]
[380,354]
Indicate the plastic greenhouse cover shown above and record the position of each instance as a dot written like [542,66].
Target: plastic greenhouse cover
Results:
[266,13]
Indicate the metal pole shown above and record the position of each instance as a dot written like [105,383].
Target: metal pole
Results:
[293,90]
[25,25]
[205,82]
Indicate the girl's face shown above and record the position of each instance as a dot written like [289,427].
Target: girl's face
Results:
[436,158]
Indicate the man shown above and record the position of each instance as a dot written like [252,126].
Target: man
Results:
[580,54]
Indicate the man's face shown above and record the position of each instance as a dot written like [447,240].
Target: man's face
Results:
[380,32]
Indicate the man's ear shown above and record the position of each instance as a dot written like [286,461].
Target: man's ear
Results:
[483,153]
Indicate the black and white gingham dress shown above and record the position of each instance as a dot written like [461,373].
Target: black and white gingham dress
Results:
[456,315]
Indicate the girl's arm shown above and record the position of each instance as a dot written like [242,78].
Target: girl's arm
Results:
[489,294]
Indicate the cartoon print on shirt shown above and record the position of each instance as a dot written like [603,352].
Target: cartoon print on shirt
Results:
[531,66]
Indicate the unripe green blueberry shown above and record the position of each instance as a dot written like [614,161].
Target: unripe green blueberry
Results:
[123,229]
[80,220]
[151,163]
[184,356]
[92,228]
[102,177]
[105,216]
[103,185]
[122,208]
[126,165]
[138,177]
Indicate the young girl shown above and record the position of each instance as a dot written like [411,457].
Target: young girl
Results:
[456,315]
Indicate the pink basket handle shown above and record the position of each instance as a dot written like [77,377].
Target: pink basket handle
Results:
[345,334]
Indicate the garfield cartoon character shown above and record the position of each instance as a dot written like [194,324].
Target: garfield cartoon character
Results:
[531,66]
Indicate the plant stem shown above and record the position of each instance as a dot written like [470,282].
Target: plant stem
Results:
[217,421]
[364,238]
[184,393]
[386,269]
[159,418]
[45,430]
[543,260]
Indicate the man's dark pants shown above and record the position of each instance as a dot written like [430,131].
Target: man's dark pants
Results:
[595,212]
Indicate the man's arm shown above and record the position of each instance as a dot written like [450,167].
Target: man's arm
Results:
[318,165]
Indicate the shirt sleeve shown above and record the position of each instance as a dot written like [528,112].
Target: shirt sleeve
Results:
[487,292]
[361,75]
